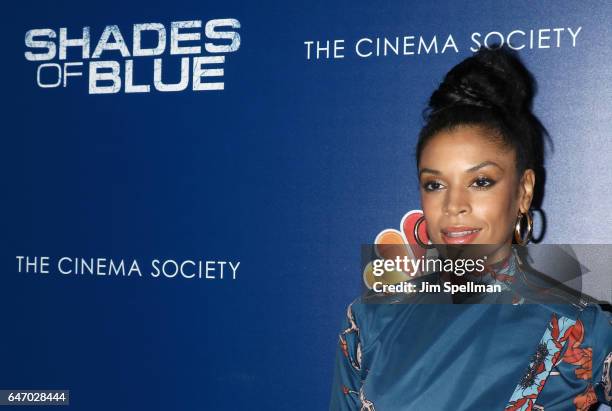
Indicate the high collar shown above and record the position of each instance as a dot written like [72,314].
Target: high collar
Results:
[502,272]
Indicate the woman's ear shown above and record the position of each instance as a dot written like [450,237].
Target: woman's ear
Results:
[526,187]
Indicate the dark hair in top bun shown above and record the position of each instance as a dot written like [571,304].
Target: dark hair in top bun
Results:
[492,89]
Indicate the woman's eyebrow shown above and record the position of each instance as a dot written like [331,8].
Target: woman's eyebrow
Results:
[483,164]
[429,170]
[469,170]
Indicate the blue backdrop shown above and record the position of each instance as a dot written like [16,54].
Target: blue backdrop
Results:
[288,169]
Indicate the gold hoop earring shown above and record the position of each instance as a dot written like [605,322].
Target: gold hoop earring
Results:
[520,240]
[416,234]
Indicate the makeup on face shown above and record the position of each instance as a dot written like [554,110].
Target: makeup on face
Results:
[468,187]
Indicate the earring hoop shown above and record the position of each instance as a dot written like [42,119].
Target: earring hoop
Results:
[416,234]
[520,240]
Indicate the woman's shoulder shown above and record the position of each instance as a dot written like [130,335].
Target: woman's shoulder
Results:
[599,322]
[372,312]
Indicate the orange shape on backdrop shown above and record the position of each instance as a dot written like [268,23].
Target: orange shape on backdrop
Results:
[391,243]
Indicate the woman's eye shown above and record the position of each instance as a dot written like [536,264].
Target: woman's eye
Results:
[483,182]
[432,186]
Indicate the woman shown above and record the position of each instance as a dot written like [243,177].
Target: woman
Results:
[479,160]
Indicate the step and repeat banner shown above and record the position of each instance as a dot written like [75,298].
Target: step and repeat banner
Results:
[186,184]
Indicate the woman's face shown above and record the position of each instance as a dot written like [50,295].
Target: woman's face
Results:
[470,191]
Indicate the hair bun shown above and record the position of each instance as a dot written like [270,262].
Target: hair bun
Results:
[491,78]
[493,90]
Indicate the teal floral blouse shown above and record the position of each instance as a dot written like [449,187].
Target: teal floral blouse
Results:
[520,356]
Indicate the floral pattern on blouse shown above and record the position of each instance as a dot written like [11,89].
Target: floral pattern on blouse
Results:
[545,358]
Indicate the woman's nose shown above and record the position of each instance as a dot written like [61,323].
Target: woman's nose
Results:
[456,202]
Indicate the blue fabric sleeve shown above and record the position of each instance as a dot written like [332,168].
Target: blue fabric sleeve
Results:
[347,384]
[602,355]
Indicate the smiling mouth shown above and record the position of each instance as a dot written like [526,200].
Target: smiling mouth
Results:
[459,235]
[455,234]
